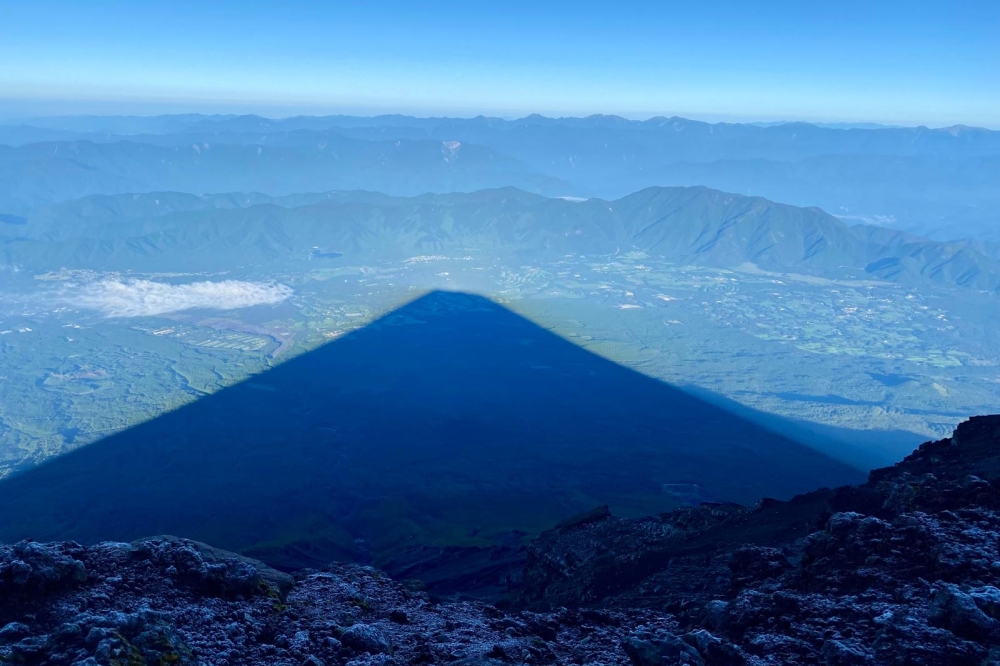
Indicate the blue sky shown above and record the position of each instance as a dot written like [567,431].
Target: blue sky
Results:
[909,63]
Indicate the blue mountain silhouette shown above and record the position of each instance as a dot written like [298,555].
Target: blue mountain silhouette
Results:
[451,420]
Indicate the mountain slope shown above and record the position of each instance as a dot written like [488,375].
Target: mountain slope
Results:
[899,570]
[938,182]
[706,226]
[43,173]
[696,225]
[947,198]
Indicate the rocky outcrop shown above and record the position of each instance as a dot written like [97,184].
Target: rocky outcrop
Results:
[455,572]
[169,601]
[904,569]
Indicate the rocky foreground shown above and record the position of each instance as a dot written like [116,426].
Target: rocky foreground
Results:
[904,569]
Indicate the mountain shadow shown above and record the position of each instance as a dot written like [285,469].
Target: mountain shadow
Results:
[449,421]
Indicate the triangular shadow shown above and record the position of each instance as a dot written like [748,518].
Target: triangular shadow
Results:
[450,420]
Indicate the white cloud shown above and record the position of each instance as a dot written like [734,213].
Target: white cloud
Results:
[143,298]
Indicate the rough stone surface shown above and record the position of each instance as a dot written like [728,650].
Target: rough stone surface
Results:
[902,570]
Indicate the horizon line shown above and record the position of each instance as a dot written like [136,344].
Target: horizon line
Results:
[843,125]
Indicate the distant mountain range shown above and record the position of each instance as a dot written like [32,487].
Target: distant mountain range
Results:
[41,173]
[686,225]
[707,141]
[943,183]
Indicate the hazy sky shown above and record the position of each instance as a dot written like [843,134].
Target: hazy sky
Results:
[915,62]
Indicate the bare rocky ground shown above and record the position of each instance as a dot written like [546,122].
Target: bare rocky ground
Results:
[904,569]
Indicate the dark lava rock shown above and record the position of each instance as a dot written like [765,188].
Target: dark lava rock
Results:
[366,638]
[211,568]
[170,601]
[648,649]
[34,568]
[953,609]
[902,570]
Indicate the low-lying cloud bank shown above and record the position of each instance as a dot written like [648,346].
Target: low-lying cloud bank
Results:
[143,298]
